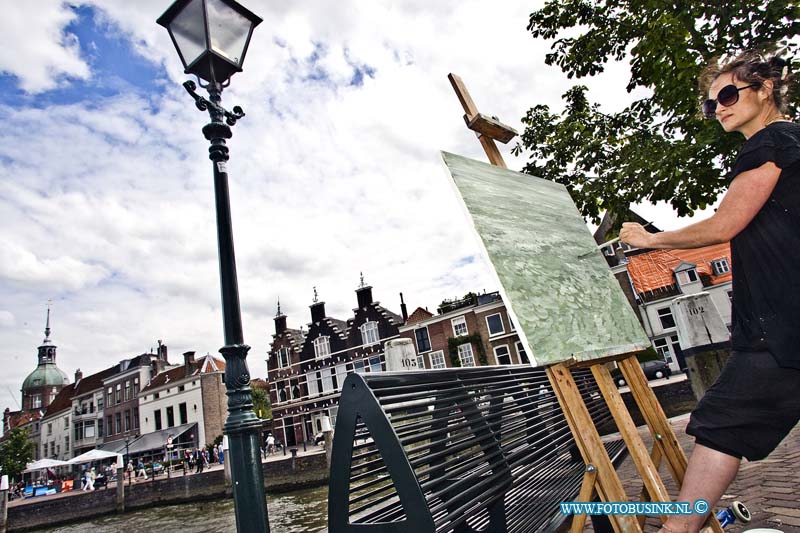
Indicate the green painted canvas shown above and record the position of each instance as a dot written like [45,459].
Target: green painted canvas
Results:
[558,288]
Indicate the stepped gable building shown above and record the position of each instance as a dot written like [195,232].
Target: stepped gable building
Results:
[39,389]
[306,369]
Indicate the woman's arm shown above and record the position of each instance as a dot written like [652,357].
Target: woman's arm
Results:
[746,196]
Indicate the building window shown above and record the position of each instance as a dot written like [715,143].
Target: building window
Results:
[322,346]
[156,395]
[109,426]
[181,388]
[88,430]
[465,354]
[100,427]
[135,387]
[423,340]
[369,332]
[100,403]
[341,375]
[182,413]
[687,276]
[170,417]
[420,361]
[459,326]
[721,266]
[127,390]
[49,429]
[36,401]
[359,366]
[135,418]
[282,394]
[110,397]
[502,355]
[66,443]
[495,324]
[730,296]
[327,381]
[375,364]
[311,384]
[118,396]
[157,418]
[437,360]
[665,316]
[118,423]
[283,357]
[127,420]
[296,394]
[523,355]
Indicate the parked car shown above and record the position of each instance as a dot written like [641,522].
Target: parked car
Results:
[652,370]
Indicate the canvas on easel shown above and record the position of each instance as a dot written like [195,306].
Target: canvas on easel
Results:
[565,303]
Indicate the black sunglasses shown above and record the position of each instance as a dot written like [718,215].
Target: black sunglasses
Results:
[726,96]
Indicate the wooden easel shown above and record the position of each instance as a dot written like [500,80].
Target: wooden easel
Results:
[601,476]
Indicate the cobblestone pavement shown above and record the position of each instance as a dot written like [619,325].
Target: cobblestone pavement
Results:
[770,488]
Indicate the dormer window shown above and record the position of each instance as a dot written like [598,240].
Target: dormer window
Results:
[283,357]
[720,266]
[369,332]
[687,276]
[322,346]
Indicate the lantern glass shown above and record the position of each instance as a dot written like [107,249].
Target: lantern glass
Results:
[228,31]
[189,30]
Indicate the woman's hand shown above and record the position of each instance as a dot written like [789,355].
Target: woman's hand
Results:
[635,235]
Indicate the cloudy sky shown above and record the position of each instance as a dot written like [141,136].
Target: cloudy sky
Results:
[107,197]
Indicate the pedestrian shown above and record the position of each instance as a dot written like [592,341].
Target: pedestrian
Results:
[141,471]
[187,461]
[270,444]
[89,479]
[129,470]
[221,456]
[754,403]
[83,479]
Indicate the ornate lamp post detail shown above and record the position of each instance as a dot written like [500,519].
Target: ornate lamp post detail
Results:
[211,37]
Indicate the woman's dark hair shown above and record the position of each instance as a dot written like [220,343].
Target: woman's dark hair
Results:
[753,66]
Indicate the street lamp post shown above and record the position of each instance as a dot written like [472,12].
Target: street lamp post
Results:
[211,37]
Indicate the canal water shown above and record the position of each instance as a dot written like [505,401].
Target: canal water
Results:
[304,511]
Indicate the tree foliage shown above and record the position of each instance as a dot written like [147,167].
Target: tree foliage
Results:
[15,453]
[659,147]
[261,403]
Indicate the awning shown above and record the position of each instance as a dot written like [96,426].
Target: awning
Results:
[117,446]
[157,440]
[44,463]
[93,455]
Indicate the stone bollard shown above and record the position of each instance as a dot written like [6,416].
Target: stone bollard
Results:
[120,485]
[4,504]
[704,339]
[401,356]
[327,434]
[294,457]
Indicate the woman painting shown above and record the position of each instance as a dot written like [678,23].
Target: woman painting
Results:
[754,403]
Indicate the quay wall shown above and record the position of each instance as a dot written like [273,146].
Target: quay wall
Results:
[279,476]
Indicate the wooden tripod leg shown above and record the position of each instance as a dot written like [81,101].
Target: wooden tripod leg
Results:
[644,496]
[641,457]
[492,152]
[588,440]
[659,426]
[585,495]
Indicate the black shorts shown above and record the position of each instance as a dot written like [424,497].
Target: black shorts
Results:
[752,406]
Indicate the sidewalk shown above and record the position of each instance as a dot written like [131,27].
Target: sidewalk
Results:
[770,488]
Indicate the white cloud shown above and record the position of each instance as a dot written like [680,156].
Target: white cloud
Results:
[37,49]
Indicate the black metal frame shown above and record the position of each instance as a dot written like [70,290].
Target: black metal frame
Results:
[472,449]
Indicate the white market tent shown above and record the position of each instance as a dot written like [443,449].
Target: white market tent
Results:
[41,464]
[92,455]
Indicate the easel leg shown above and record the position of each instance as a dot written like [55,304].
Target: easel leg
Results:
[585,495]
[591,447]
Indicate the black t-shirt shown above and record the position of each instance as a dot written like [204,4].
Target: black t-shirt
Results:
[766,254]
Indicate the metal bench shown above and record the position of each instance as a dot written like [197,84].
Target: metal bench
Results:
[457,450]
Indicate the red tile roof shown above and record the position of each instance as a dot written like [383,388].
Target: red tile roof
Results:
[205,365]
[653,270]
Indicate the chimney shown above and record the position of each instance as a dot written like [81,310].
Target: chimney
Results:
[280,324]
[78,376]
[188,359]
[317,311]
[403,309]
[364,295]
[162,352]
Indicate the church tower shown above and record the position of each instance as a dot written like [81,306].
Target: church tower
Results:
[42,385]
